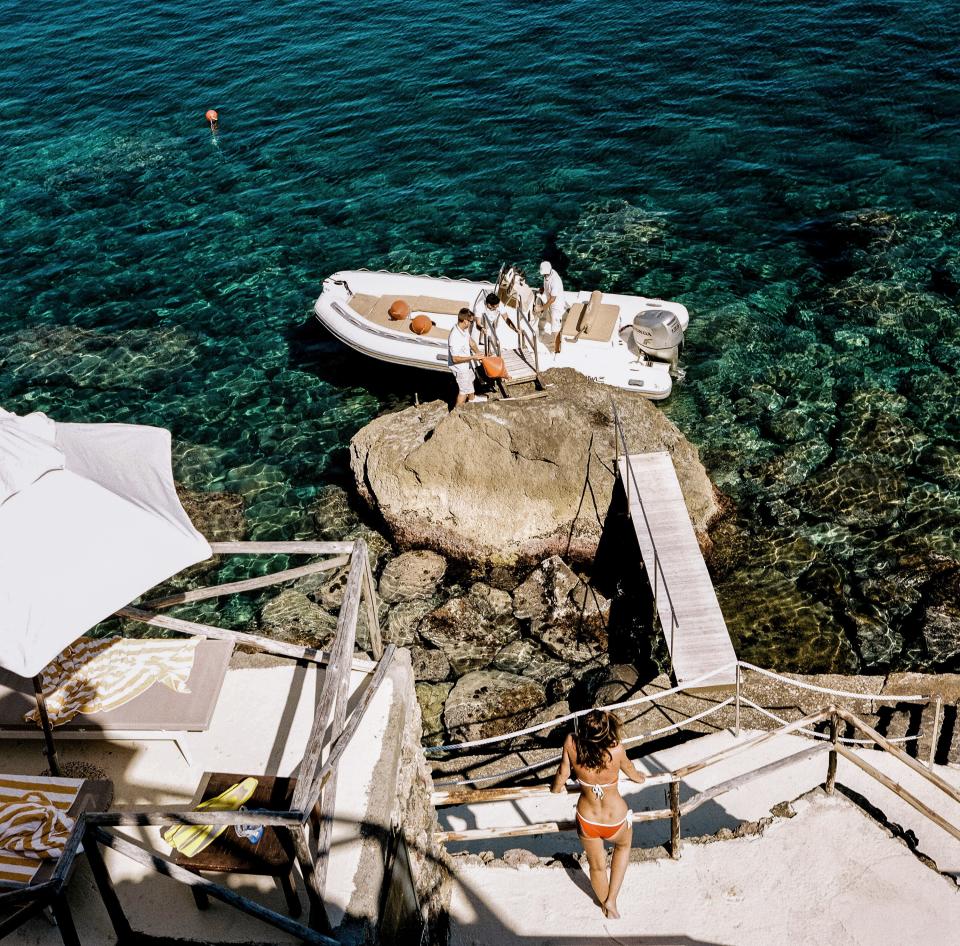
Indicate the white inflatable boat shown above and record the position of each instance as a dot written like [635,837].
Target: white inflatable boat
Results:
[626,341]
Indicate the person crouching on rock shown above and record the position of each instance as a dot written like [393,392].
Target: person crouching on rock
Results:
[594,753]
[462,351]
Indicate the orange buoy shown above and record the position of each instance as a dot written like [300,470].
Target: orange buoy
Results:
[493,367]
[399,310]
[212,116]
[421,325]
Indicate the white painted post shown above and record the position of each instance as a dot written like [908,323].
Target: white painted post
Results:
[935,735]
[736,727]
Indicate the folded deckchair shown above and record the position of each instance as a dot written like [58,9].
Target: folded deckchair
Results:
[20,876]
[157,713]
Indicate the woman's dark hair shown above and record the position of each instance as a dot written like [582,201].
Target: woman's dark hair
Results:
[596,734]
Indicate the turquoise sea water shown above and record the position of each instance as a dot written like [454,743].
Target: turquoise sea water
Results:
[786,170]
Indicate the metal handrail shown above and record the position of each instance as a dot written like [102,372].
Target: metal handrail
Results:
[620,436]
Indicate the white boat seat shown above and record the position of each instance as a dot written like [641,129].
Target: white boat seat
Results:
[593,320]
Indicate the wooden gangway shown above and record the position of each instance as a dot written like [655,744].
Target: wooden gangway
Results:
[690,614]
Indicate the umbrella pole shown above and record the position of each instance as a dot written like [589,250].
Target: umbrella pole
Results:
[52,759]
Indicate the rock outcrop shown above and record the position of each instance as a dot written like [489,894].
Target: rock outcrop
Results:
[515,481]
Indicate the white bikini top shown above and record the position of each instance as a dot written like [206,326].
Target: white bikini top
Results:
[596,788]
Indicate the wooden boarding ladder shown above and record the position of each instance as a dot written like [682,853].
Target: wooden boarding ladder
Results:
[523,362]
[690,614]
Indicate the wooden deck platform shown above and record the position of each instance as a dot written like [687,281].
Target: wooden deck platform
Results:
[699,640]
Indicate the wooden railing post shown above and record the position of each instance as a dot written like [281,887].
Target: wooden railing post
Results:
[935,735]
[101,876]
[832,762]
[675,820]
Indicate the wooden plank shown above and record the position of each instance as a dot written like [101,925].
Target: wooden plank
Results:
[690,615]
[899,791]
[909,761]
[336,680]
[349,729]
[247,584]
[277,548]
[280,648]
[373,619]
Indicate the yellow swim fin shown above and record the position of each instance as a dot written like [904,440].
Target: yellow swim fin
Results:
[191,839]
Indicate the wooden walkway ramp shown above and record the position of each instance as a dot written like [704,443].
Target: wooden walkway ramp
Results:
[693,625]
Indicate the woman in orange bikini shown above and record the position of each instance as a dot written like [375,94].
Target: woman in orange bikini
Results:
[596,758]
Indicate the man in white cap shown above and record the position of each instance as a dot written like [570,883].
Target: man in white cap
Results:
[553,301]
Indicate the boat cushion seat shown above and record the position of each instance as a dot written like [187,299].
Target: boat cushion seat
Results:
[378,312]
[435,306]
[594,320]
[361,303]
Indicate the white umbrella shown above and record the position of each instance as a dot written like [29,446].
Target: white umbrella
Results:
[89,520]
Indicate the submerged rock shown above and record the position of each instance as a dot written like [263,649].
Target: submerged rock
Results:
[490,703]
[412,575]
[471,629]
[292,616]
[217,515]
[504,482]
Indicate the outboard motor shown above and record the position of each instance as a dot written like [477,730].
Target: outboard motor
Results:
[656,333]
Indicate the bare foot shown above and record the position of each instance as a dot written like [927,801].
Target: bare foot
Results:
[610,910]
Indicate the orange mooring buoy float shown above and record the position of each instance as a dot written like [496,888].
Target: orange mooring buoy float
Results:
[213,118]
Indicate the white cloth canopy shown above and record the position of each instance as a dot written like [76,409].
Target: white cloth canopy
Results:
[89,520]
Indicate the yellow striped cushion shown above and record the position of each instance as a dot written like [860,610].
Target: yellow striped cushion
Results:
[33,823]
[96,676]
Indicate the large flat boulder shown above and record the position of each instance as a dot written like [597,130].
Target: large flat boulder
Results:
[507,481]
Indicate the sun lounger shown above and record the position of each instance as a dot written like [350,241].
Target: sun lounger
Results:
[159,713]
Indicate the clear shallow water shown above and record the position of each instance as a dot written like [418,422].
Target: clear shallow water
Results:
[786,170]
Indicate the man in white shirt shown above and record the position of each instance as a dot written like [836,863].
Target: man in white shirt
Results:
[552,299]
[462,351]
[495,311]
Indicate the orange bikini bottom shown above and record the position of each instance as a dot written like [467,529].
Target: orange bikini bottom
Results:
[598,829]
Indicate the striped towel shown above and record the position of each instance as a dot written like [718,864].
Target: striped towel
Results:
[34,824]
[98,675]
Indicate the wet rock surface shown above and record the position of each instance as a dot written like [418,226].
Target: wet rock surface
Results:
[412,575]
[292,616]
[471,629]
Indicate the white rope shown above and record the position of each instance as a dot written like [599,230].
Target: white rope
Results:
[554,759]
[822,735]
[871,698]
[550,724]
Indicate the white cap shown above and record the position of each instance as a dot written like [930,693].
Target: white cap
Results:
[545,268]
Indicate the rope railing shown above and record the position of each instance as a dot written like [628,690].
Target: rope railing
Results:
[653,697]
[828,691]
[553,760]
[836,749]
